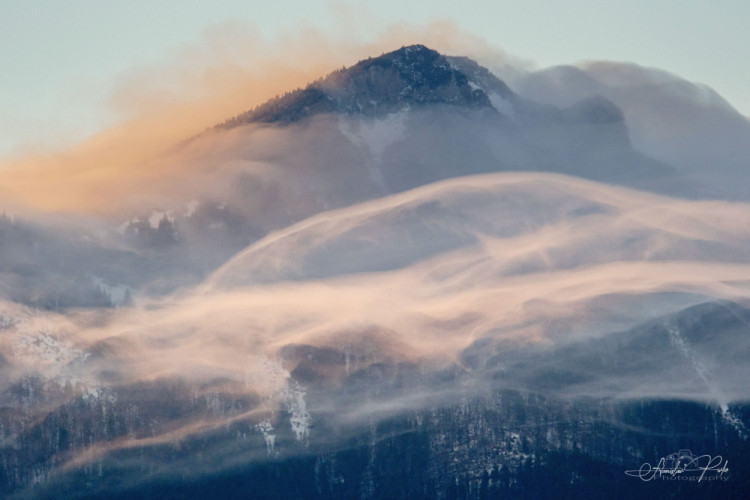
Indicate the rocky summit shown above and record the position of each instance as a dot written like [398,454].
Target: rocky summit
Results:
[409,77]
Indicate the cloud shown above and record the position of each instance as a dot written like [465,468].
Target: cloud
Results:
[539,274]
[233,68]
[230,69]
[534,299]
[686,124]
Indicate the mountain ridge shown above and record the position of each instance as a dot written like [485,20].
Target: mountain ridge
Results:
[374,87]
[413,76]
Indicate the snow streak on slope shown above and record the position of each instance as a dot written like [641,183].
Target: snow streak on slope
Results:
[375,135]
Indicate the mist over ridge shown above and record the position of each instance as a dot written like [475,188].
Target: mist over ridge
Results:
[405,237]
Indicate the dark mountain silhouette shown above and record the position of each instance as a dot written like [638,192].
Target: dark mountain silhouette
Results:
[414,77]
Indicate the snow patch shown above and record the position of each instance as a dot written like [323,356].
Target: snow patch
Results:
[684,349]
[266,428]
[735,422]
[96,394]
[294,397]
[267,376]
[38,342]
[502,105]
[375,135]
[690,355]
[43,346]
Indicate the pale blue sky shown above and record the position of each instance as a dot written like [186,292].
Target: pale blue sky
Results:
[60,59]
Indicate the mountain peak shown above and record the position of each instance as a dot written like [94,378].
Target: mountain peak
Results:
[410,77]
